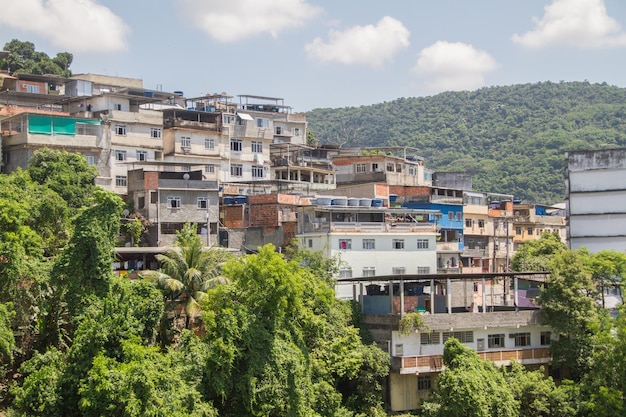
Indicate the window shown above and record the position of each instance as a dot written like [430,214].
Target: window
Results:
[496,224]
[412,171]
[345,272]
[397,244]
[228,119]
[518,230]
[424,383]
[120,181]
[360,168]
[310,243]
[153,197]
[141,202]
[459,216]
[469,222]
[117,107]
[421,270]
[173,202]
[278,130]
[345,244]
[257,171]
[142,155]
[185,141]
[209,169]
[390,167]
[463,337]
[475,287]
[522,339]
[369,271]
[369,244]
[236,145]
[236,170]
[155,132]
[296,131]
[203,202]
[398,270]
[530,231]
[90,159]
[120,155]
[422,243]
[481,223]
[263,123]
[120,130]
[257,147]
[430,338]
[33,89]
[495,341]
[450,215]
[209,144]
[546,337]
[375,168]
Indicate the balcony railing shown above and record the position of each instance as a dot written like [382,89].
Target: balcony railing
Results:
[434,363]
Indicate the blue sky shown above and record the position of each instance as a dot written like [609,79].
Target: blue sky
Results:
[329,53]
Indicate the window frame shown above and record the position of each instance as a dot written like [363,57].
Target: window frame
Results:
[496,341]
[174,202]
[522,339]
[423,244]
[141,155]
[369,244]
[256,146]
[156,132]
[202,201]
[121,155]
[209,143]
[236,145]
[120,130]
[345,244]
[185,142]
[121,181]
[236,170]
[397,244]
[257,171]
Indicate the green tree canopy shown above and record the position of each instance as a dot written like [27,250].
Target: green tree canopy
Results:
[67,173]
[23,58]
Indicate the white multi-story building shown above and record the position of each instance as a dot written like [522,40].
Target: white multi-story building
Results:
[596,199]
[370,241]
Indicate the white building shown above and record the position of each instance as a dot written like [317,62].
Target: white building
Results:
[596,199]
[370,241]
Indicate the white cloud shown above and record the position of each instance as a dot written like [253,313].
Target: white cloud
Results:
[74,25]
[233,20]
[578,23]
[447,66]
[364,45]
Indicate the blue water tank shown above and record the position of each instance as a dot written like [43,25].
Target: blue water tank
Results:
[228,200]
[377,202]
[241,199]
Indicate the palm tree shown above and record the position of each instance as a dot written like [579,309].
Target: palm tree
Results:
[188,270]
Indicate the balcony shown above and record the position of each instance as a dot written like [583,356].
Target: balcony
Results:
[434,363]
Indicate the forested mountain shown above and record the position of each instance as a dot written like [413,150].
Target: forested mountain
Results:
[511,139]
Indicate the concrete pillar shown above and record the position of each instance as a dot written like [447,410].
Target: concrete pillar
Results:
[432,296]
[401,297]
[484,295]
[515,293]
[391,296]
[449,295]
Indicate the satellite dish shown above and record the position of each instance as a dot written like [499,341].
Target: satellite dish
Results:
[125,212]
[186,176]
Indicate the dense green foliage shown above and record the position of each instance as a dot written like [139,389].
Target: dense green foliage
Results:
[511,139]
[23,58]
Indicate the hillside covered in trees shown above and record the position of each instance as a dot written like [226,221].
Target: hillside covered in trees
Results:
[511,139]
